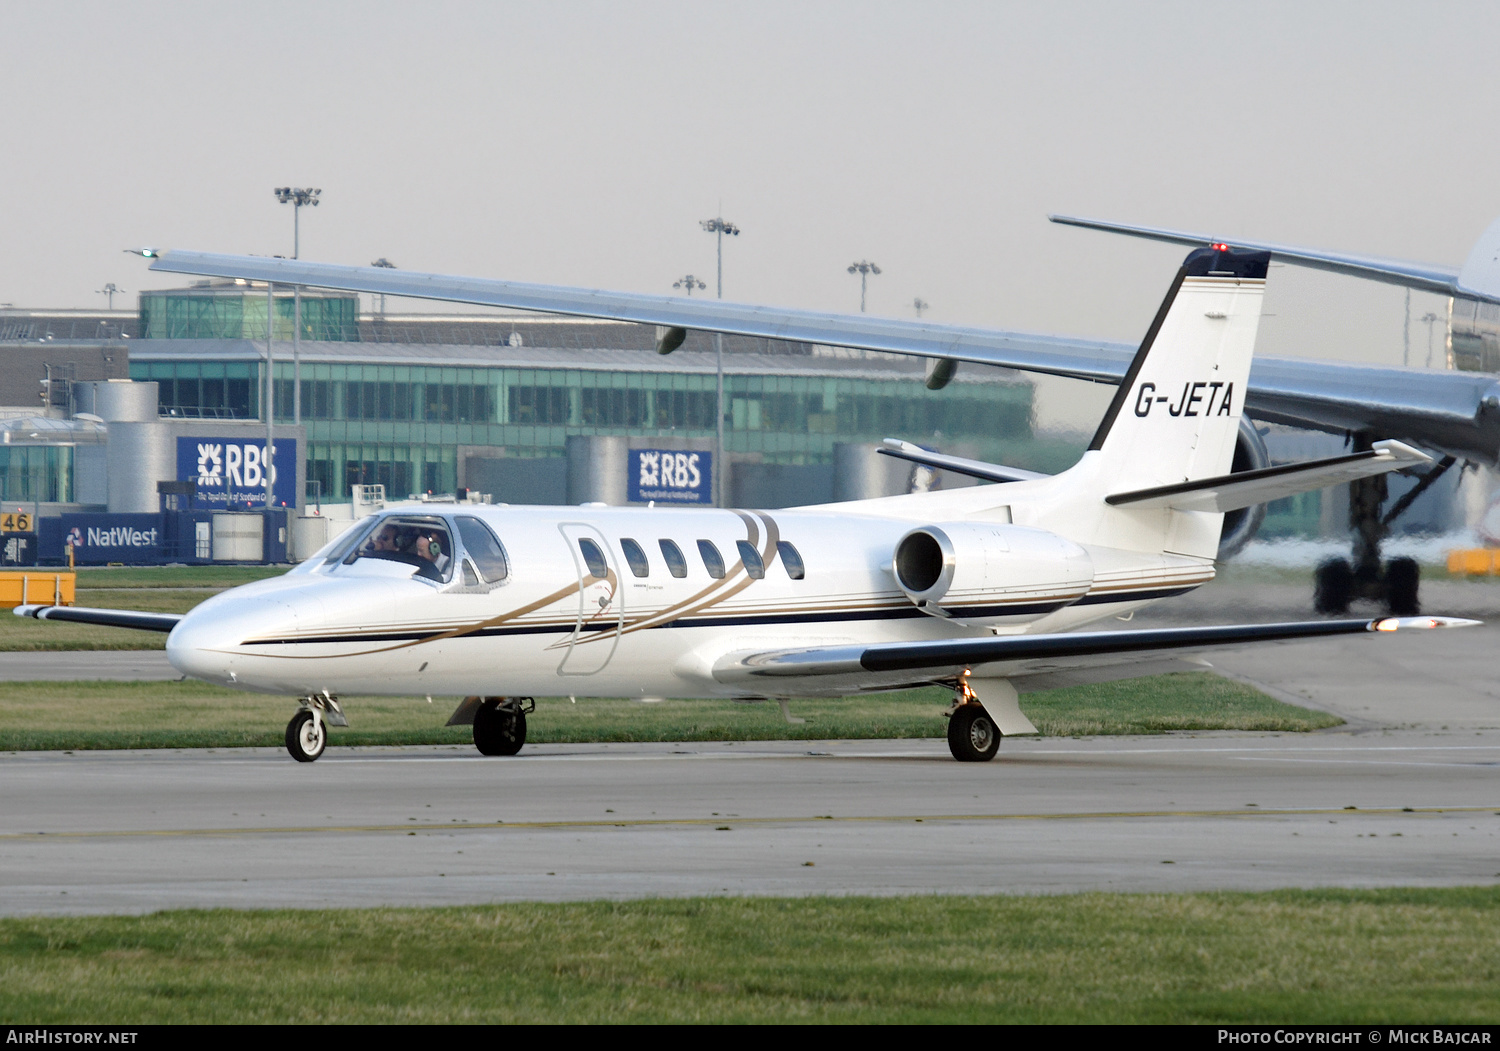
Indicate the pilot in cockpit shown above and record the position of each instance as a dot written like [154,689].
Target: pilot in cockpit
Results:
[385,538]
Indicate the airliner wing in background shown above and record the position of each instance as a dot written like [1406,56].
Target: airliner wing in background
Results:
[1055,355]
[1479,278]
[1457,413]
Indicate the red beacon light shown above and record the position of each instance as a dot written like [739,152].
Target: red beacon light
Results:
[1219,247]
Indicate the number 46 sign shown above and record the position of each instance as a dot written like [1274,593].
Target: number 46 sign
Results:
[15,522]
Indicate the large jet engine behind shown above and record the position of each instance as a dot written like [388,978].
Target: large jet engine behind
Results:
[960,564]
[1250,454]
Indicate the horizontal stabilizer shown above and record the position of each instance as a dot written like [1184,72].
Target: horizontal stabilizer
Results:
[114,618]
[989,472]
[1230,492]
[1428,277]
[1086,648]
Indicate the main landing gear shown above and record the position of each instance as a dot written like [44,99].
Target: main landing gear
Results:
[1394,584]
[307,733]
[973,736]
[500,724]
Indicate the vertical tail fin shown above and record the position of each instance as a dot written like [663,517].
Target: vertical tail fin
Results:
[1176,414]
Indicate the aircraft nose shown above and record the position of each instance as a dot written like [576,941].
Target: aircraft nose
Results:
[208,643]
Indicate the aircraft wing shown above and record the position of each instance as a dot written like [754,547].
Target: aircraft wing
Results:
[1457,412]
[1022,655]
[114,618]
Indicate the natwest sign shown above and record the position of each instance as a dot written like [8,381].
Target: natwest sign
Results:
[111,537]
[232,473]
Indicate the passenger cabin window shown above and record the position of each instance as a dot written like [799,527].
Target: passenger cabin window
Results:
[791,560]
[635,557]
[593,558]
[484,549]
[712,560]
[419,541]
[672,555]
[751,557]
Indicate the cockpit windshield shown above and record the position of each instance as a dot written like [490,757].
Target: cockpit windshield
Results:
[420,541]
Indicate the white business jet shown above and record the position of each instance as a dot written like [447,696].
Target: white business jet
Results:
[977,589]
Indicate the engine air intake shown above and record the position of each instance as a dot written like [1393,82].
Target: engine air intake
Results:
[919,562]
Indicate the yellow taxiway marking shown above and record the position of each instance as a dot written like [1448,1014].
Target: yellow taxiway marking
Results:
[718,821]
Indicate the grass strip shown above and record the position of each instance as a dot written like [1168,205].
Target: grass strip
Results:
[1311,957]
[89,715]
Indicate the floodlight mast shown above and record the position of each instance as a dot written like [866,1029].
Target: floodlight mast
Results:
[719,226]
[110,290]
[298,198]
[864,268]
[689,283]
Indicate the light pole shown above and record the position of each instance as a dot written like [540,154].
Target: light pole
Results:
[1429,319]
[384,264]
[864,268]
[919,304]
[270,455]
[689,282]
[110,290]
[297,198]
[718,226]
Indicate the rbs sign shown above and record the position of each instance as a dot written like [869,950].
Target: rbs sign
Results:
[670,476]
[233,473]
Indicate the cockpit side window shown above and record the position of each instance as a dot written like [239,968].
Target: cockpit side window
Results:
[483,548]
[672,555]
[593,558]
[635,557]
[712,560]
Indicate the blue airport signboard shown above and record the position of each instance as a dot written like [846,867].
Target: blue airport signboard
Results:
[670,476]
[114,537]
[230,474]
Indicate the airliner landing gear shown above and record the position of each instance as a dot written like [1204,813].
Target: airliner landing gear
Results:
[500,724]
[307,733]
[1394,585]
[972,734]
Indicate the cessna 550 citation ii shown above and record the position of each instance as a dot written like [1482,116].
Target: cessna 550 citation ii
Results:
[976,589]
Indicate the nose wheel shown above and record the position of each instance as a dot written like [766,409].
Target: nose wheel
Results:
[306,736]
[307,733]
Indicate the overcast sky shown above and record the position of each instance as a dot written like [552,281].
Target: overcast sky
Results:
[580,143]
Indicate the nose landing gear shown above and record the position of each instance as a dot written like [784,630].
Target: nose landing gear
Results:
[307,733]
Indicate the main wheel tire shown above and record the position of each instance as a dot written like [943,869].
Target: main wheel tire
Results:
[498,731]
[1333,586]
[972,734]
[305,738]
[1402,577]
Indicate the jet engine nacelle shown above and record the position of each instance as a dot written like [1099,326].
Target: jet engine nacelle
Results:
[959,566]
[1240,526]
